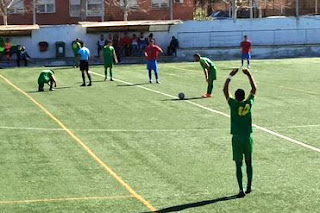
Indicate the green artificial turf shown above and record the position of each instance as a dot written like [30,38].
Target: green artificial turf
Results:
[175,154]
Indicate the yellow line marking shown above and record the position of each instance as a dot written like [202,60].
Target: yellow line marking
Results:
[3,202]
[86,148]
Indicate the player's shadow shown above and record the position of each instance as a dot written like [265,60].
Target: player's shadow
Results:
[186,99]
[195,204]
[130,85]
[55,88]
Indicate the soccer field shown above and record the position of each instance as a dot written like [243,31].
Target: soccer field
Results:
[131,146]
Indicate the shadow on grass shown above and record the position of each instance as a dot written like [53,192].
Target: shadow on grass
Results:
[130,85]
[95,81]
[55,88]
[195,204]
[186,99]
[230,68]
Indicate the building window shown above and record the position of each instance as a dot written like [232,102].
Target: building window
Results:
[46,6]
[17,7]
[158,4]
[132,4]
[93,8]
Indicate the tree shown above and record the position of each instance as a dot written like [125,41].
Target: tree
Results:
[127,6]
[4,6]
[83,10]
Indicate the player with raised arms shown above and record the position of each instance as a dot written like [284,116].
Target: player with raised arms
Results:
[241,128]
[210,72]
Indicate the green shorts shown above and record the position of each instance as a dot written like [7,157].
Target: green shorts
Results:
[242,146]
[108,65]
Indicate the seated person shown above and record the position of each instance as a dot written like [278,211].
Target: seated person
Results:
[174,44]
[134,45]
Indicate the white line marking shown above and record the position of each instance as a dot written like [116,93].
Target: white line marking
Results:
[220,113]
[144,130]
[293,127]
[109,130]
[63,199]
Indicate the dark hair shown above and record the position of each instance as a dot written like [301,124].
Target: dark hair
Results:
[240,95]
[197,55]
[245,36]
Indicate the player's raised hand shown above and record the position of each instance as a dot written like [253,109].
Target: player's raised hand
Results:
[234,71]
[246,71]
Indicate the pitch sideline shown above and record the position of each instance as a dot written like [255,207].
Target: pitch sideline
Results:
[220,113]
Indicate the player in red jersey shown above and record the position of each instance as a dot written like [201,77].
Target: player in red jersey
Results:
[152,51]
[246,50]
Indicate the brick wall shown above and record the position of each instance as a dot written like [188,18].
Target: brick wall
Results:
[182,11]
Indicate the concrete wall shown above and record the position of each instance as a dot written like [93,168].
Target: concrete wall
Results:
[269,34]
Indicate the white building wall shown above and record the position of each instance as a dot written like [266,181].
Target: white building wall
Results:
[191,34]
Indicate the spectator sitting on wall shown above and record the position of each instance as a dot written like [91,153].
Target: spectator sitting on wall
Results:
[100,43]
[76,45]
[22,54]
[116,45]
[150,37]
[7,49]
[143,42]
[126,44]
[174,44]
[110,38]
[134,45]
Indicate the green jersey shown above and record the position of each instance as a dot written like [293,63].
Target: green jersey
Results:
[241,116]
[212,71]
[45,76]
[108,53]
[76,47]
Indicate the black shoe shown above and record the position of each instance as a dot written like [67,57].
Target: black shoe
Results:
[111,79]
[241,194]
[158,82]
[83,85]
[89,85]
[248,191]
[150,81]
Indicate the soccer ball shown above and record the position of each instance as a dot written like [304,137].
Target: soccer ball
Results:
[181,96]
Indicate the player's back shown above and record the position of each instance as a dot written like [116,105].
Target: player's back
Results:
[241,116]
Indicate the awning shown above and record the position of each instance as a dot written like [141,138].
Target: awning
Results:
[136,26]
[17,30]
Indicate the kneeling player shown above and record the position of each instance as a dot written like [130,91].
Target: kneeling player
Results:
[241,128]
[46,77]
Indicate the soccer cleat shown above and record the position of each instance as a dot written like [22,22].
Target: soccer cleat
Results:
[248,191]
[207,95]
[158,82]
[51,89]
[241,194]
[111,79]
[248,66]
[150,81]
[89,84]
[83,85]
